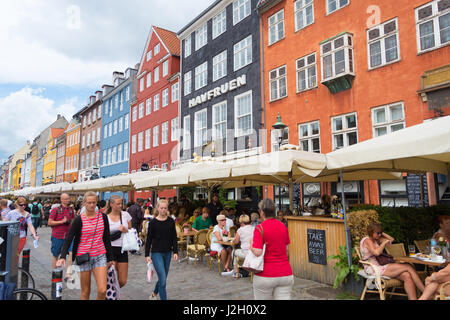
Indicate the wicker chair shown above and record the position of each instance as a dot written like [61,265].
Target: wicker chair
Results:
[240,262]
[181,241]
[198,249]
[213,255]
[233,230]
[442,295]
[378,283]
[422,245]
[396,250]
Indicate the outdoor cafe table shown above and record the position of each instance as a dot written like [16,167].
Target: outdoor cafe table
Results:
[423,262]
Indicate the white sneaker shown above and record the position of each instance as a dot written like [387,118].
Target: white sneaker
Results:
[227,273]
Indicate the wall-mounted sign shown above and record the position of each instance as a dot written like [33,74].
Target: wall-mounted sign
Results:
[218,91]
[317,248]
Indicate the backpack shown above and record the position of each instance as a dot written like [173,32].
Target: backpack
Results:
[35,209]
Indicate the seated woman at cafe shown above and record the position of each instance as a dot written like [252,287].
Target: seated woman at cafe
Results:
[219,232]
[444,229]
[194,216]
[373,245]
[244,235]
[434,282]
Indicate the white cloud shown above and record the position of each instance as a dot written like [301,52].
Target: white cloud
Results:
[25,113]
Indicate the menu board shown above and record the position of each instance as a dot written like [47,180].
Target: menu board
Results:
[317,252]
[413,189]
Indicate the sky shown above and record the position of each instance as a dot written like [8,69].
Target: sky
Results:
[56,53]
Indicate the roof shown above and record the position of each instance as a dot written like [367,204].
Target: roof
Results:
[56,132]
[215,3]
[170,39]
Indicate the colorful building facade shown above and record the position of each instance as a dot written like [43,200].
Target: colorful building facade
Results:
[72,151]
[336,81]
[49,166]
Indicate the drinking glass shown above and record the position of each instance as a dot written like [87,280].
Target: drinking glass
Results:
[411,250]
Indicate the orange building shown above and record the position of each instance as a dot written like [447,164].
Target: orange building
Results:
[72,151]
[343,71]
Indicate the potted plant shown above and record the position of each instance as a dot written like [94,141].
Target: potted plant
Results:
[347,276]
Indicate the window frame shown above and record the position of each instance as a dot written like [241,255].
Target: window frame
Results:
[310,137]
[278,80]
[347,46]
[307,66]
[275,26]
[237,131]
[243,50]
[302,9]
[388,123]
[345,130]
[237,4]
[201,36]
[202,129]
[215,123]
[219,21]
[338,7]
[201,76]
[220,65]
[382,39]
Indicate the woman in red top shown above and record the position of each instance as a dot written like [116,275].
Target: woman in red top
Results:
[276,280]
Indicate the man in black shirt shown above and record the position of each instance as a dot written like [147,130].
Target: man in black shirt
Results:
[214,208]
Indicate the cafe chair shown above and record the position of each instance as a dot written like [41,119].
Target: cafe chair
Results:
[422,245]
[198,249]
[377,283]
[240,262]
[442,295]
[396,250]
[181,241]
[212,255]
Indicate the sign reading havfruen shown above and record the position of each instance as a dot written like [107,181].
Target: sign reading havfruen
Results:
[218,91]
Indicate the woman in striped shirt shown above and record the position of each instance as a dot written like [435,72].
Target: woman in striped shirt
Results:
[90,234]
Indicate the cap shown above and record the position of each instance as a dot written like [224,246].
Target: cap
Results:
[220,217]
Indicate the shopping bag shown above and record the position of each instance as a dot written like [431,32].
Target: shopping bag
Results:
[253,263]
[150,272]
[130,241]
[112,286]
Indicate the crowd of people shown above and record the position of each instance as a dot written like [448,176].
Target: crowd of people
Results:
[91,233]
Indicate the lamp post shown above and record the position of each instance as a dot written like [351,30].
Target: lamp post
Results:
[280,127]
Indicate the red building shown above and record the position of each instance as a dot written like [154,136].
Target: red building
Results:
[154,115]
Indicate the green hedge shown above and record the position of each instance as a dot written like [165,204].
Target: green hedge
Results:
[407,224]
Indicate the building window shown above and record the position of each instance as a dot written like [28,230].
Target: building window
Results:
[165,132]
[165,97]
[141,86]
[148,106]
[140,141]
[127,93]
[175,93]
[157,49]
[387,119]
[243,114]
[219,120]
[201,36]
[187,46]
[241,10]
[200,128]
[149,55]
[383,44]
[141,110]
[164,166]
[187,83]
[156,136]
[125,151]
[156,74]
[303,13]
[156,102]
[309,136]
[242,53]
[134,114]
[201,75]
[276,27]
[306,72]
[115,128]
[278,82]
[433,25]
[165,68]
[219,24]
[174,129]
[105,133]
[186,133]
[337,57]
[333,5]
[119,153]
[133,144]
[104,160]
[220,65]
[120,124]
[344,130]
[149,79]
[148,141]
[127,121]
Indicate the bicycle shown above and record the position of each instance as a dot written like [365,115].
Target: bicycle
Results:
[29,292]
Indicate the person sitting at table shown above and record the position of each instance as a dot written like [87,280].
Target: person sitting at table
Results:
[219,232]
[373,245]
[229,222]
[194,216]
[433,283]
[203,221]
[244,235]
[255,219]
[444,229]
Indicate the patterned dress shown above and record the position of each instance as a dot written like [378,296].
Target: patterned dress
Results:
[367,256]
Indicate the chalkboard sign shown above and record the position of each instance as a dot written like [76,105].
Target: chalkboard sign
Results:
[317,252]
[413,189]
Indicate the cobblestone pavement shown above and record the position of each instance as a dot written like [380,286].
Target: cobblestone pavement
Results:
[185,282]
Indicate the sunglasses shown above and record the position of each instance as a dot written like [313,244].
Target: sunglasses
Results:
[22,204]
[380,233]
[223,220]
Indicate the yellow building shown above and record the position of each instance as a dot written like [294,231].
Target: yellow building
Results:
[34,152]
[49,170]
[16,163]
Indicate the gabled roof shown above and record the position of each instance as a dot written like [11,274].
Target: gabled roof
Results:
[56,132]
[168,39]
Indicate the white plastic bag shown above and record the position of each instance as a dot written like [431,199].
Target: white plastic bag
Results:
[130,241]
[150,272]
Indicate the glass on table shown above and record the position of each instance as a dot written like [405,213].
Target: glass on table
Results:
[412,250]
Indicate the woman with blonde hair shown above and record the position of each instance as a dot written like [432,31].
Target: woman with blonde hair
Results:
[244,235]
[91,247]
[119,223]
[161,241]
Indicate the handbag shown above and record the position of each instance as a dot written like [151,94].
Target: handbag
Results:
[85,257]
[130,241]
[112,286]
[254,263]
[116,234]
[384,259]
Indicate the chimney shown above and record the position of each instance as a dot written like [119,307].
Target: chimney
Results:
[117,76]
[91,100]
[106,89]
[98,95]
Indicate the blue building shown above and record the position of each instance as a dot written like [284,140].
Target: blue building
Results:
[115,144]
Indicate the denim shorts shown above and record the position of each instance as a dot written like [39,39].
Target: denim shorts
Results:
[94,262]
[57,245]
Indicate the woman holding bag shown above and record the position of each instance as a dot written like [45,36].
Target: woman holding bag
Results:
[119,224]
[91,247]
[161,241]
[276,279]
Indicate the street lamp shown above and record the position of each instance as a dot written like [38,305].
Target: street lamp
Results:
[282,132]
